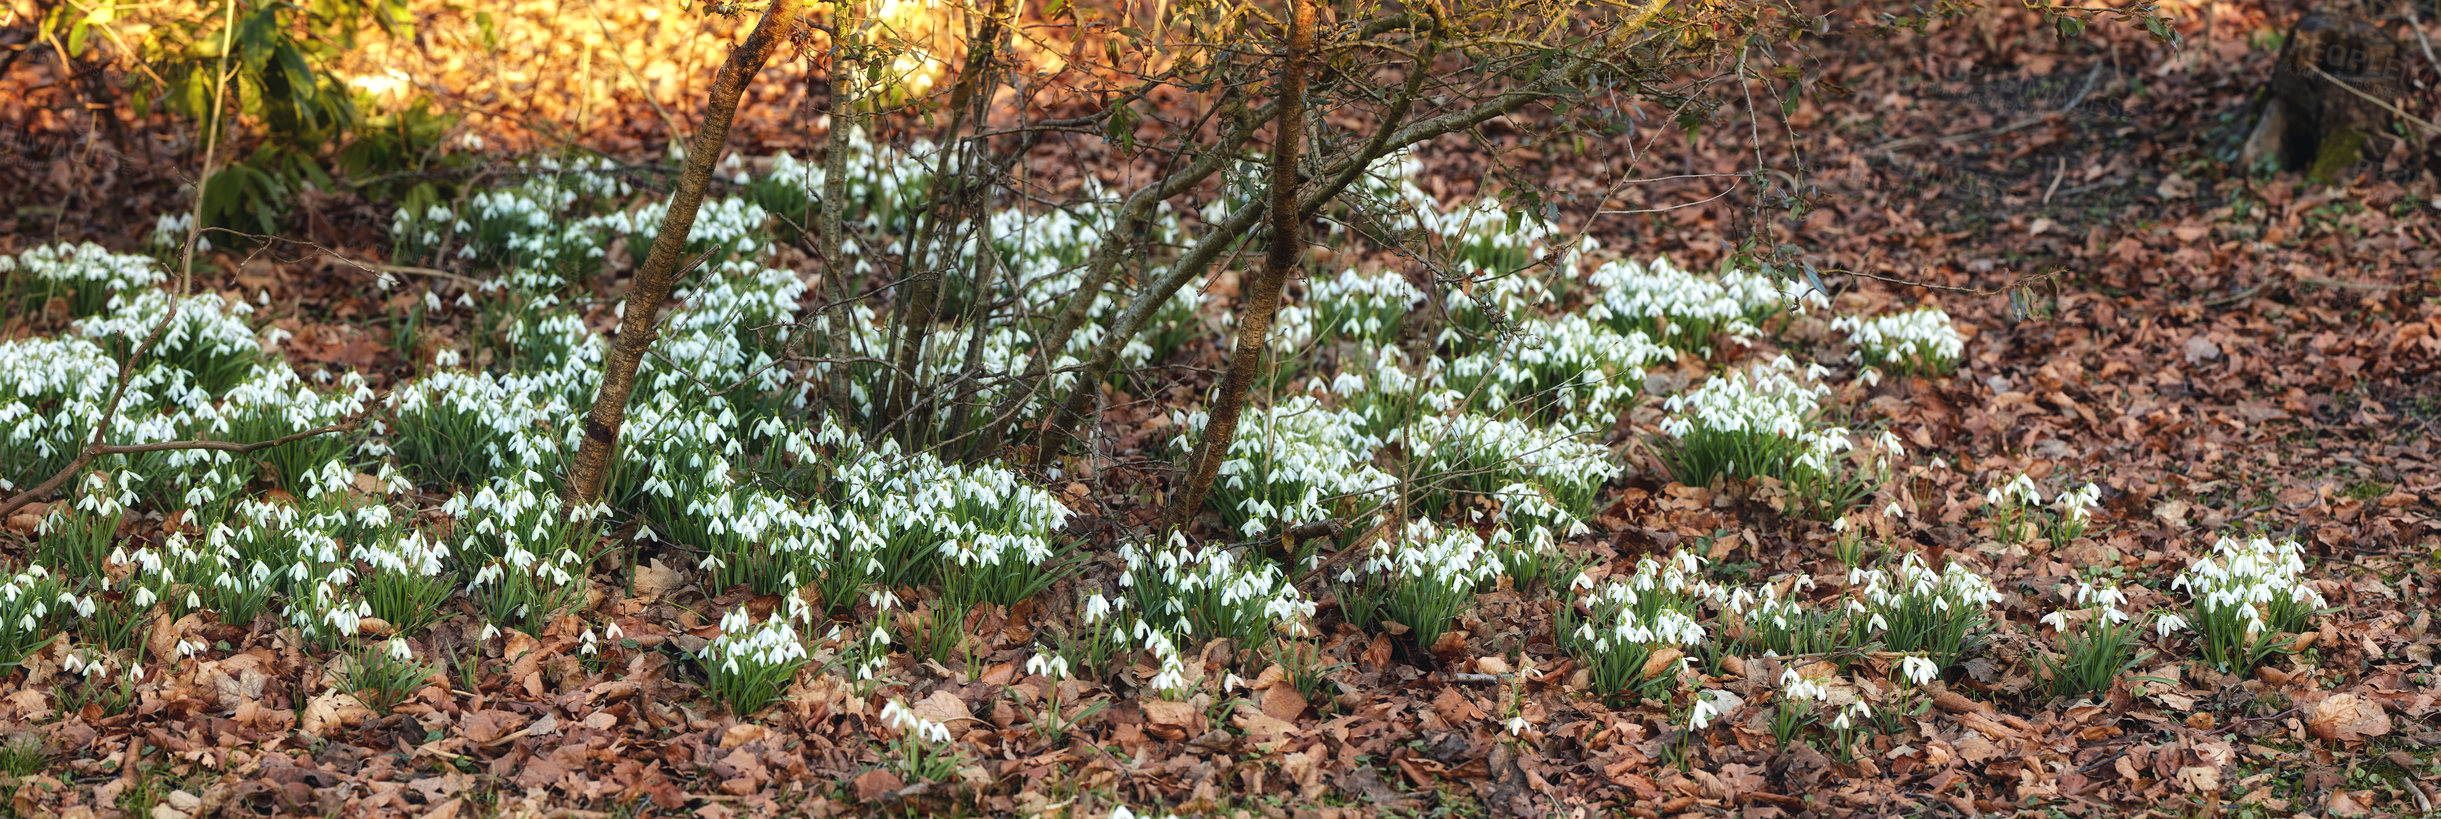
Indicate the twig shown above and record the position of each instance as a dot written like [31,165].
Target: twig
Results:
[2348,285]
[2385,104]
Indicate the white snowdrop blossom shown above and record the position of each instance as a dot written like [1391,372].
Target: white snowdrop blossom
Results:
[1922,341]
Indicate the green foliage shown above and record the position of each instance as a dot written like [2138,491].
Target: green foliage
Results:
[384,675]
[750,665]
[23,753]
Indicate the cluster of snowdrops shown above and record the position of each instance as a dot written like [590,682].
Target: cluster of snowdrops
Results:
[1472,424]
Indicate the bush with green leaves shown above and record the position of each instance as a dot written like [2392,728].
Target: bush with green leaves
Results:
[2094,649]
[751,664]
[1457,456]
[385,674]
[1421,578]
[1766,422]
[2247,598]
[85,276]
[1291,463]
[1922,341]
[1617,630]
[1685,311]
[1208,592]
[1942,615]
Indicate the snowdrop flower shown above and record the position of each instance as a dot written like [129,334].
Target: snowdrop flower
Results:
[2168,623]
[399,650]
[2058,620]
[1701,715]
[1517,726]
[1051,666]
[1919,670]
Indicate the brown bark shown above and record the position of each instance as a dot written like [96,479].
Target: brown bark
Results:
[659,274]
[834,208]
[1287,247]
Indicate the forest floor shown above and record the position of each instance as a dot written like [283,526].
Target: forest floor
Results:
[2223,353]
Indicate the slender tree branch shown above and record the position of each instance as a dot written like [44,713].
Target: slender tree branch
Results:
[1286,249]
[660,272]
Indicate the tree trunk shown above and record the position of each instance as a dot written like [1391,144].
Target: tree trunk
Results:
[659,275]
[834,209]
[1286,248]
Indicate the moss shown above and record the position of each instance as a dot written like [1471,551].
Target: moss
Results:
[2335,154]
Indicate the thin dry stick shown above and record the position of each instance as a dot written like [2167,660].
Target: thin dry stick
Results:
[1286,249]
[660,272]
[2385,104]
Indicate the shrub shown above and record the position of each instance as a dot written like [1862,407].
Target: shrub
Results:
[1941,615]
[1210,593]
[1422,579]
[86,276]
[1617,631]
[750,665]
[382,676]
[1918,342]
[2246,597]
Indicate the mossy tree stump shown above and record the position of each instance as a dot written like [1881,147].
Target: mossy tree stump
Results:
[2310,122]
